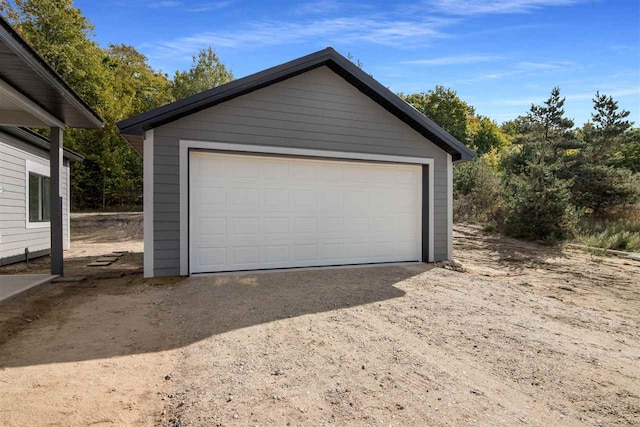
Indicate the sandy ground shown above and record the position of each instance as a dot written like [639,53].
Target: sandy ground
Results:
[527,335]
[94,235]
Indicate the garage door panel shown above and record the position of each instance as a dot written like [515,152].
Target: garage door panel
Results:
[209,257]
[211,197]
[331,225]
[275,225]
[255,212]
[211,227]
[305,225]
[275,198]
[304,199]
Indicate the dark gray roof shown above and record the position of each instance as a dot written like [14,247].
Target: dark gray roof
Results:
[37,140]
[26,71]
[133,128]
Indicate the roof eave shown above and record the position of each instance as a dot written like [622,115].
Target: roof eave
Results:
[35,139]
[23,50]
[136,126]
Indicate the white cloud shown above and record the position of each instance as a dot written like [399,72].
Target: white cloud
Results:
[317,7]
[206,7]
[576,96]
[387,32]
[453,60]
[189,6]
[480,7]
[160,4]
[544,66]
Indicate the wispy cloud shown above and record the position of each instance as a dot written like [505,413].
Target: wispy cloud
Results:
[544,66]
[483,7]
[206,7]
[388,32]
[161,4]
[574,96]
[317,7]
[523,68]
[454,60]
[487,76]
[189,6]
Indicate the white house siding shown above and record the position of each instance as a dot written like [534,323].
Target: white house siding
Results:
[14,234]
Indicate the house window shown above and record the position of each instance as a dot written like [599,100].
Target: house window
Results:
[39,198]
[38,195]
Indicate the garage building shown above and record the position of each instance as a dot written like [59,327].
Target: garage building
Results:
[309,163]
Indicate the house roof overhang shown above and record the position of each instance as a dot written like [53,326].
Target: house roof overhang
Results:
[133,129]
[32,93]
[37,140]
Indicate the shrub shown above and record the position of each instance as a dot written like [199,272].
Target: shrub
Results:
[604,188]
[477,191]
[538,206]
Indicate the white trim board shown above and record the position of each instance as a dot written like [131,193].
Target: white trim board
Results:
[449,207]
[185,145]
[148,184]
[40,169]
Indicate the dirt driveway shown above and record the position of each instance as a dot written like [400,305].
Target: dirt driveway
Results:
[526,336]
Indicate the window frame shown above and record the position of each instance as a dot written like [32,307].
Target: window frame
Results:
[40,169]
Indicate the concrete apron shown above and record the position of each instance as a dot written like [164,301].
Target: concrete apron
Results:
[13,284]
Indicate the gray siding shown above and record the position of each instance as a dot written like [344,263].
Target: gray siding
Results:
[315,110]
[14,235]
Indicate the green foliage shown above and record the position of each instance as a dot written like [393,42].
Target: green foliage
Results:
[486,135]
[603,188]
[477,191]
[628,154]
[205,73]
[623,234]
[61,35]
[538,204]
[598,185]
[443,106]
[138,87]
[538,201]
[117,82]
[605,135]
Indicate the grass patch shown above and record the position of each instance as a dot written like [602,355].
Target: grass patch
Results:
[622,235]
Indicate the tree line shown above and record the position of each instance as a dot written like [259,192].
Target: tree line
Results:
[537,176]
[117,82]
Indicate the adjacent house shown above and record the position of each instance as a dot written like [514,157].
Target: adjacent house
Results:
[25,209]
[33,220]
[309,163]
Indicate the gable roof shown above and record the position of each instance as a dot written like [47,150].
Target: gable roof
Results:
[24,71]
[37,140]
[133,129]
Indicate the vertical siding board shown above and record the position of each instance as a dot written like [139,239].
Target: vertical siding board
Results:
[315,110]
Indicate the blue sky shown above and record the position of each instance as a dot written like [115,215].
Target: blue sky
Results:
[499,55]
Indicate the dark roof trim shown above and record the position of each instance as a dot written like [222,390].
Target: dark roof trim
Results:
[22,49]
[37,140]
[134,128]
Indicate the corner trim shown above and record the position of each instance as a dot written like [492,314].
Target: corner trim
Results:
[449,207]
[148,204]
[186,145]
[67,171]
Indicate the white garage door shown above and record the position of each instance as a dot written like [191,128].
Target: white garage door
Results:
[255,212]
